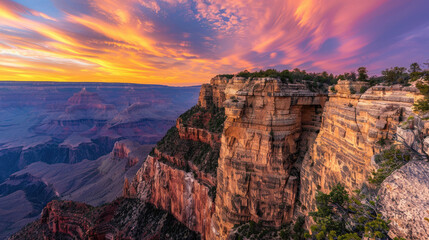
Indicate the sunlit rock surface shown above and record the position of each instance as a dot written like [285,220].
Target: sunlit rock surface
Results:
[352,126]
[269,125]
[404,200]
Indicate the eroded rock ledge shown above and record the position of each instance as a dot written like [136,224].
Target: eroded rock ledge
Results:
[269,125]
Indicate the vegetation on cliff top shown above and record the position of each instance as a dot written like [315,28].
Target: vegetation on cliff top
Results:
[211,119]
[343,216]
[388,160]
[200,154]
[317,81]
[314,81]
[422,105]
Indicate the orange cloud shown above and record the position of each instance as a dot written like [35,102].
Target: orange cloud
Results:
[185,42]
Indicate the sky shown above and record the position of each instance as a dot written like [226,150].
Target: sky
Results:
[186,42]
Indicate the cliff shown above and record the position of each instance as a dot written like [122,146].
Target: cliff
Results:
[269,125]
[354,128]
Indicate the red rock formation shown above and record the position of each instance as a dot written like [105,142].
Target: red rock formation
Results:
[70,222]
[179,192]
[177,185]
[126,150]
[213,93]
[268,123]
[197,134]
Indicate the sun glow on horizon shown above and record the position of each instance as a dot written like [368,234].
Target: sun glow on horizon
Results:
[185,42]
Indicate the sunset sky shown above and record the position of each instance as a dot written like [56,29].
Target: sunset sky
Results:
[185,42]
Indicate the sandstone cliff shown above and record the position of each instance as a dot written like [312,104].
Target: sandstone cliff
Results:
[355,126]
[269,125]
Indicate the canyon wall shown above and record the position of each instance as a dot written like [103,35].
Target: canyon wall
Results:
[355,126]
[269,125]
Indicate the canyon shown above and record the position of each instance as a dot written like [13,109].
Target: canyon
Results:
[258,150]
[72,141]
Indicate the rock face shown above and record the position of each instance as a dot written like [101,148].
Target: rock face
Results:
[404,200]
[213,93]
[121,219]
[269,125]
[352,126]
[180,174]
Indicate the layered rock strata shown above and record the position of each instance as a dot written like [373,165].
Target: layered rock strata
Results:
[355,126]
[268,125]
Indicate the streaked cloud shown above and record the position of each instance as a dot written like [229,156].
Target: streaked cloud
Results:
[183,42]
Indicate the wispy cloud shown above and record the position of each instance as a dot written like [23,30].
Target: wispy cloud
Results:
[187,41]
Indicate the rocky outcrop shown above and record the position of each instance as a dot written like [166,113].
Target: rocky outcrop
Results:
[129,151]
[183,194]
[213,93]
[197,134]
[120,219]
[354,128]
[269,123]
[404,201]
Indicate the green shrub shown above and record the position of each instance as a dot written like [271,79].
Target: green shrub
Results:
[352,90]
[395,75]
[343,216]
[422,105]
[298,229]
[229,76]
[389,160]
[197,117]
[363,89]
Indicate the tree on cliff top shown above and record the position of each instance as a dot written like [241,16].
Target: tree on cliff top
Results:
[414,67]
[362,74]
[395,75]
